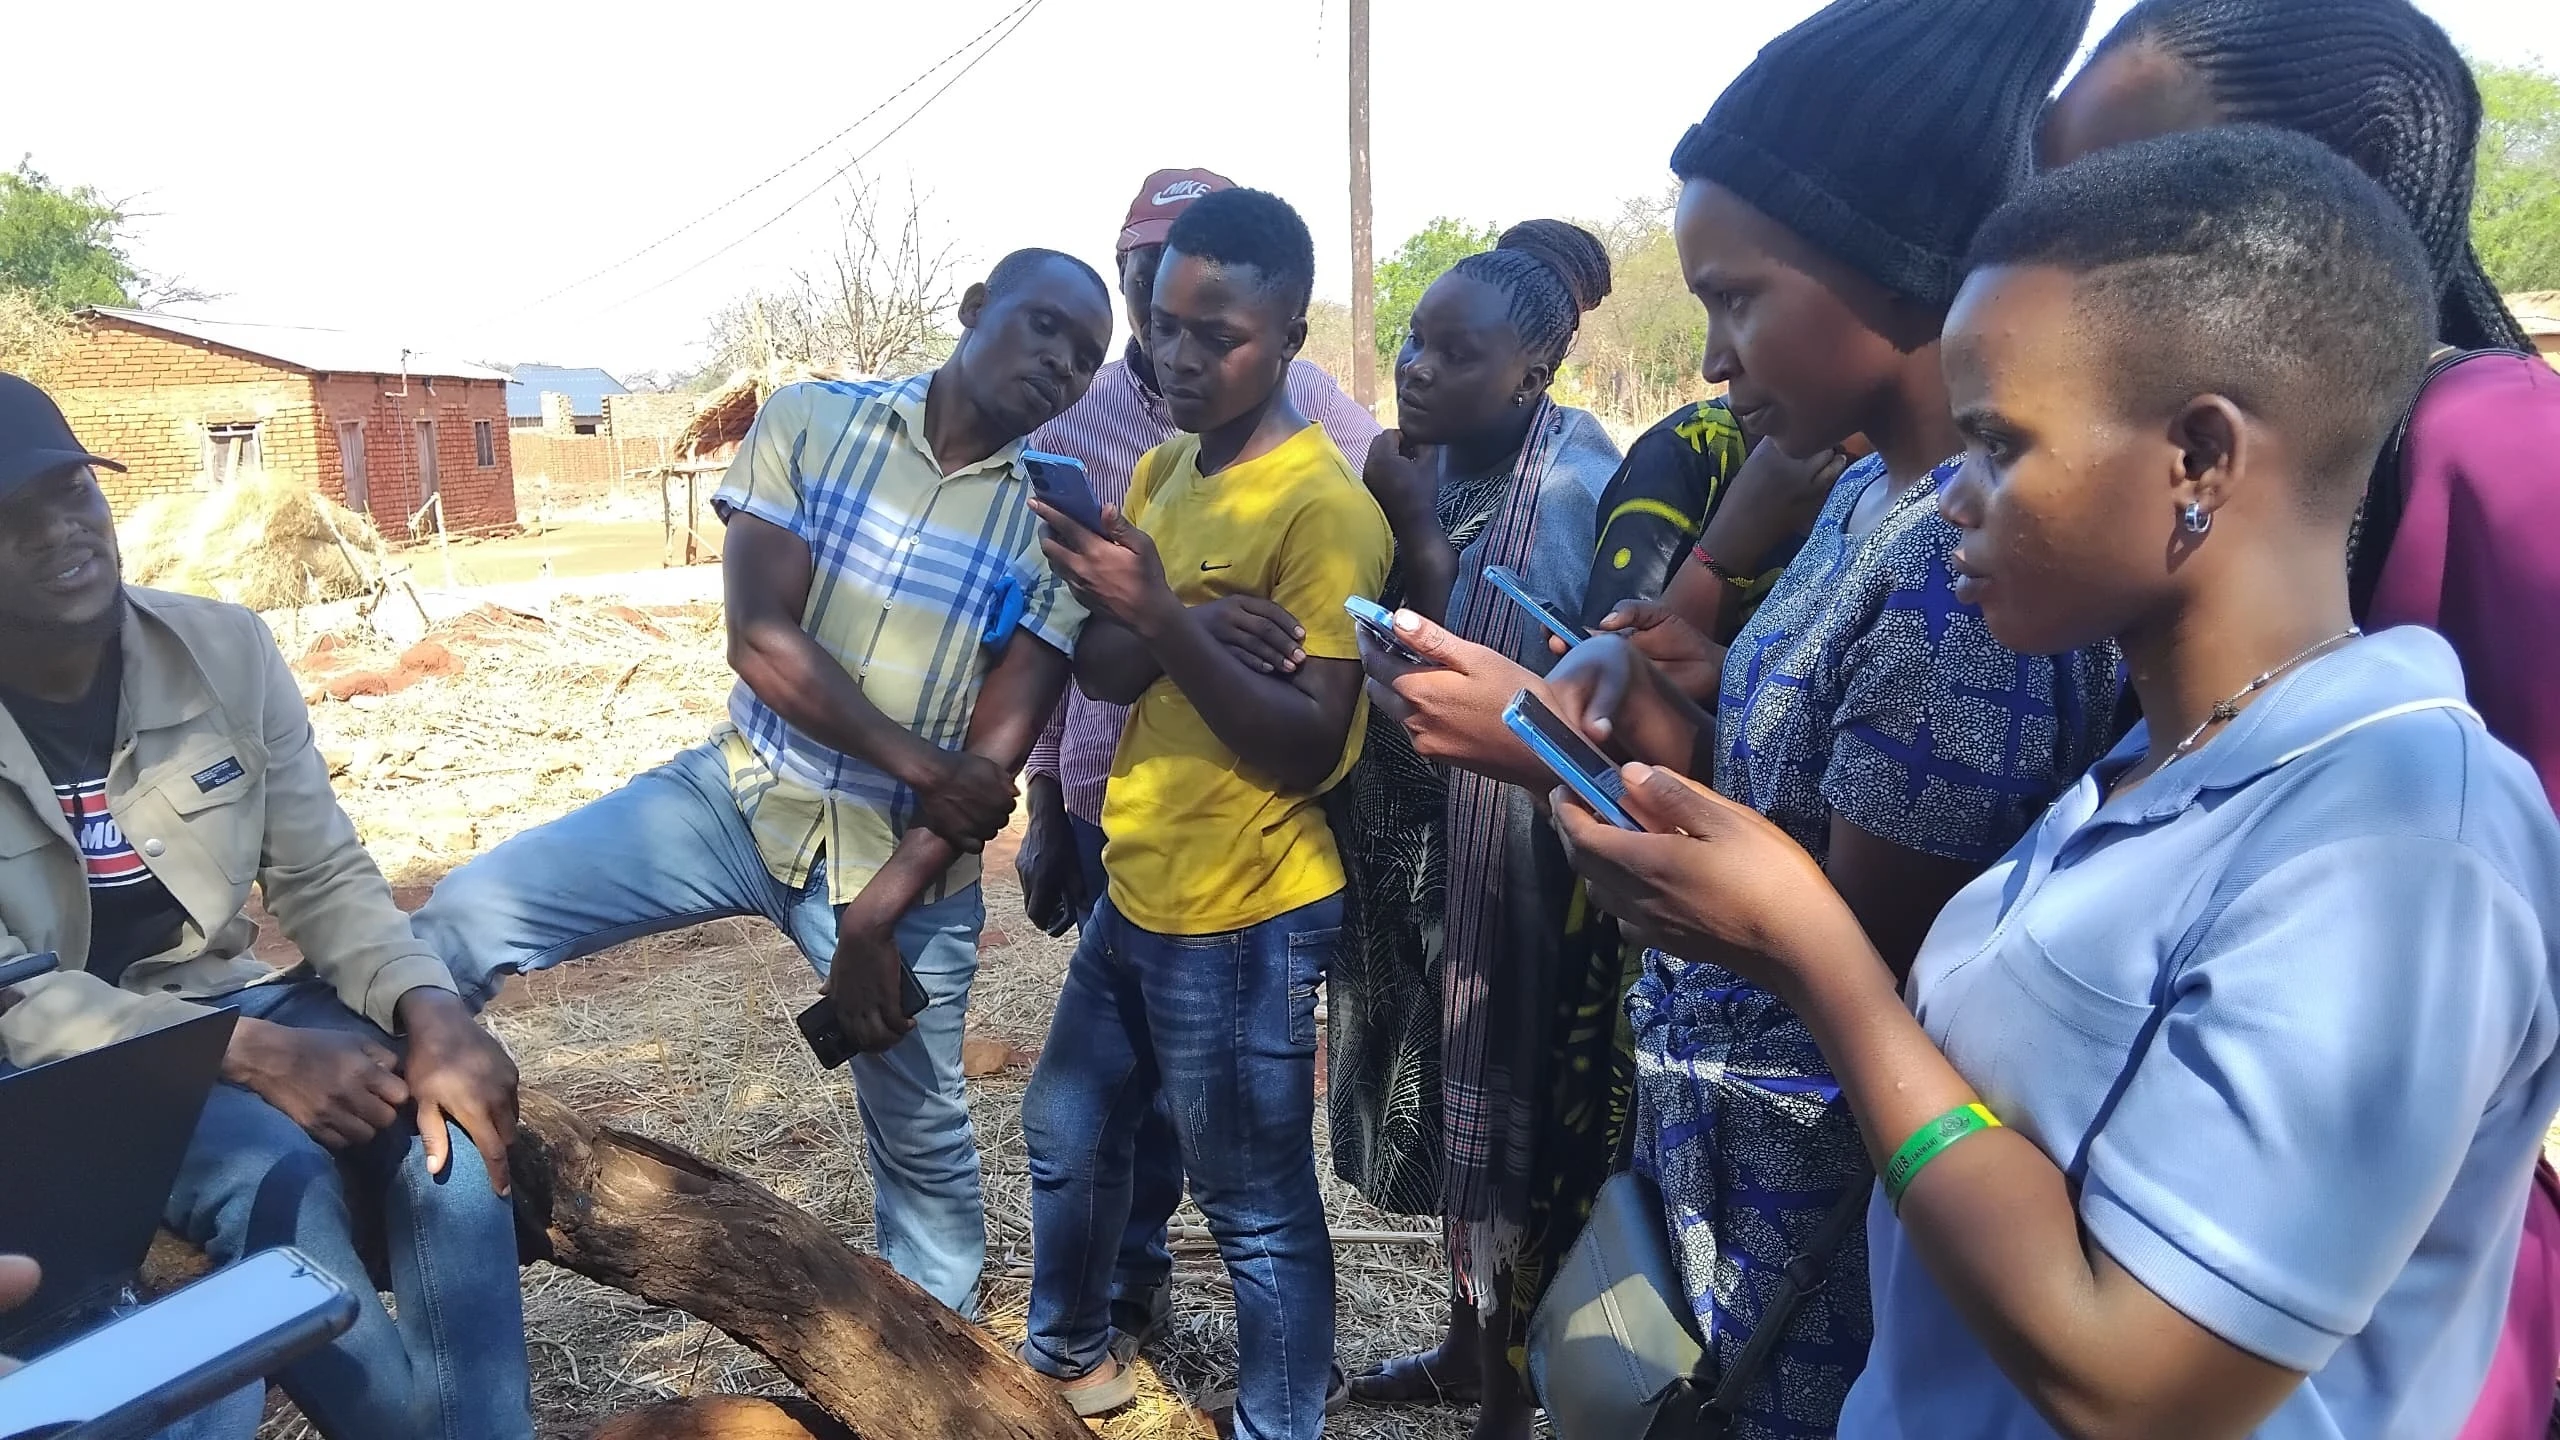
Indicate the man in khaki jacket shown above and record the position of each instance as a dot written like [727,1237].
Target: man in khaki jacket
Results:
[155,763]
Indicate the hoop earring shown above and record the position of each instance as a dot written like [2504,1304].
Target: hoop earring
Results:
[2195,518]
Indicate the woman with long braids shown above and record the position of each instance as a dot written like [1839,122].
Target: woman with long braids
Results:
[1474,1070]
[2460,526]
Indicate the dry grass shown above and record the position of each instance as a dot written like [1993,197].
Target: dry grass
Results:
[687,1037]
[257,540]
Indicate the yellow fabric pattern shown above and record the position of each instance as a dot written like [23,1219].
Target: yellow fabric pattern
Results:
[1196,845]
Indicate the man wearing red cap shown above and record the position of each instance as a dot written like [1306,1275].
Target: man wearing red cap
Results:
[1120,419]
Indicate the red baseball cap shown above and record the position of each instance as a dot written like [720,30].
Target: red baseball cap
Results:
[1151,215]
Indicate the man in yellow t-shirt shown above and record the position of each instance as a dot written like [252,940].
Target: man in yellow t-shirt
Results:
[1216,613]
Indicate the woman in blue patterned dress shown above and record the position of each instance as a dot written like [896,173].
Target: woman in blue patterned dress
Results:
[1864,708]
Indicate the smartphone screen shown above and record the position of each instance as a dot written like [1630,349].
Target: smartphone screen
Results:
[140,1372]
[1506,580]
[1575,761]
[1062,484]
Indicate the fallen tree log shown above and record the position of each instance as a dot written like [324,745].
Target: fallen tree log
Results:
[723,1417]
[870,1349]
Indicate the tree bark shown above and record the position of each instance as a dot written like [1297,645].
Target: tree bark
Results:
[872,1350]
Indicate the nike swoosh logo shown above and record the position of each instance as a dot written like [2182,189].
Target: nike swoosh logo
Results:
[1221,565]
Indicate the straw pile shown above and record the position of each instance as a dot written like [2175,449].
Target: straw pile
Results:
[257,540]
[688,1037]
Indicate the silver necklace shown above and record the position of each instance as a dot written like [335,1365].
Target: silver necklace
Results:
[2230,709]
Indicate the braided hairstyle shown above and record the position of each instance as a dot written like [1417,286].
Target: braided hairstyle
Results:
[2380,84]
[2373,80]
[1554,272]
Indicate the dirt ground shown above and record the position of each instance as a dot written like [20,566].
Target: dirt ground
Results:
[504,719]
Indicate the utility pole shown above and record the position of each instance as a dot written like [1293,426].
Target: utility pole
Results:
[1364,307]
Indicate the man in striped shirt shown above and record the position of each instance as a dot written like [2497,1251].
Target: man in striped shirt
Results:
[1120,419]
[898,638]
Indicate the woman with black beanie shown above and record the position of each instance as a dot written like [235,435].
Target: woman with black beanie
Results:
[1827,201]
[2460,529]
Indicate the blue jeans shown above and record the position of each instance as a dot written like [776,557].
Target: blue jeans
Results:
[1145,1266]
[453,1366]
[669,850]
[1224,1028]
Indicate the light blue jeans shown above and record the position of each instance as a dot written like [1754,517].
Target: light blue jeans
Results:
[670,850]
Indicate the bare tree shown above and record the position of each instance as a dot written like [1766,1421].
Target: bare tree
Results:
[875,303]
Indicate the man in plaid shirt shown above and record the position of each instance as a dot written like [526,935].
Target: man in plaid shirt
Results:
[899,641]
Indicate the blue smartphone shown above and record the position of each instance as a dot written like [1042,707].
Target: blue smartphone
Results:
[1062,484]
[1373,617]
[141,1372]
[23,968]
[1575,760]
[1504,579]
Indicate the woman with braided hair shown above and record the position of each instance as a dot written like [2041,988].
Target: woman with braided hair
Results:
[1475,1069]
[2460,528]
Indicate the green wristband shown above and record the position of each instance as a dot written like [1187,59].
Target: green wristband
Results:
[1928,1142]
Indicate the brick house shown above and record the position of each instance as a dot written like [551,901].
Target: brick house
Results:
[187,403]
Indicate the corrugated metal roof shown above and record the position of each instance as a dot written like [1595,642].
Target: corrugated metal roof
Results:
[334,352]
[585,386]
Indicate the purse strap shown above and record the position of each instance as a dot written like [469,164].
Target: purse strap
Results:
[1796,1284]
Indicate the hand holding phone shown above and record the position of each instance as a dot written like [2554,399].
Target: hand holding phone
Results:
[1508,581]
[1061,484]
[825,1034]
[1381,628]
[1575,761]
[143,1371]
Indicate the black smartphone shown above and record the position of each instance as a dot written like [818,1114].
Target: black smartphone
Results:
[150,1368]
[23,968]
[826,1037]
[1062,484]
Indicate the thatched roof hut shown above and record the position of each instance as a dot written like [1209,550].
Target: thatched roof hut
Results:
[722,422]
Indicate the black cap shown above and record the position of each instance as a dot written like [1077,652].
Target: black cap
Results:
[34,438]
[1883,132]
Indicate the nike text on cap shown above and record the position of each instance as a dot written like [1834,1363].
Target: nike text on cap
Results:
[1161,199]
[34,438]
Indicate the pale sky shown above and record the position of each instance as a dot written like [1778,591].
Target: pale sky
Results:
[430,175]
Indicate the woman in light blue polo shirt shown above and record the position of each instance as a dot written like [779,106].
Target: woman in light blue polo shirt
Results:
[2210,1108]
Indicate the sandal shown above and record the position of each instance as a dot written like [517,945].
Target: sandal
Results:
[1408,1380]
[1220,1405]
[1090,1397]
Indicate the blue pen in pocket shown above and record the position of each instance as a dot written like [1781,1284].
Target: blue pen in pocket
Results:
[1010,604]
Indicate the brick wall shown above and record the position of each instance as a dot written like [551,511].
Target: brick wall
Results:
[475,498]
[145,398]
[571,470]
[652,416]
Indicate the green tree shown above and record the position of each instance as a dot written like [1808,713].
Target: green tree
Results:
[1425,256]
[63,245]
[2515,211]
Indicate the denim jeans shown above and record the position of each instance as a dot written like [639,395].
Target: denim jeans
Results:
[452,1367]
[669,850]
[1155,1184]
[1224,1028]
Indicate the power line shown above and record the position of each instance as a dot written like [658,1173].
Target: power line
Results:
[1026,10]
[1021,10]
